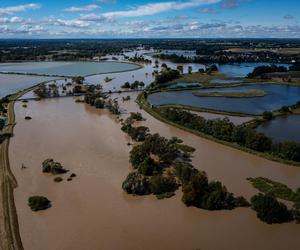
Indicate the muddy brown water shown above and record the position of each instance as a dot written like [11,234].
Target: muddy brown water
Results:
[92,212]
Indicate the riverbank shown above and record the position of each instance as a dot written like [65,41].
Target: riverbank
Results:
[86,141]
[9,228]
[142,101]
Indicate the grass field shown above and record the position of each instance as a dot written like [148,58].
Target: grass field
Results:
[233,94]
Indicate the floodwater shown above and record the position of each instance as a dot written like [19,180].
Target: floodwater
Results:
[92,212]
[276,97]
[282,128]
[67,68]
[242,69]
[10,84]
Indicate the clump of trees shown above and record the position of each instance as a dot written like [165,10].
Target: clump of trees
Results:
[261,71]
[113,106]
[199,192]
[160,169]
[223,129]
[50,166]
[78,79]
[166,76]
[134,85]
[270,210]
[37,203]
[42,91]
[136,133]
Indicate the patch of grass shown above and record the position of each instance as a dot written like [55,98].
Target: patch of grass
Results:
[232,94]
[165,195]
[185,148]
[279,190]
[199,77]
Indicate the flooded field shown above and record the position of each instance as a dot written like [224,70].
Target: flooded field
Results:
[92,212]
[10,84]
[282,128]
[67,68]
[276,97]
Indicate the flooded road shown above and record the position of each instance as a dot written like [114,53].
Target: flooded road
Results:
[92,212]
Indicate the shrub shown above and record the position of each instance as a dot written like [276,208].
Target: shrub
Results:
[38,203]
[269,210]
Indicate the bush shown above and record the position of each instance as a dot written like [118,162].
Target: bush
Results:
[161,184]
[137,184]
[50,166]
[148,167]
[267,115]
[269,210]
[38,203]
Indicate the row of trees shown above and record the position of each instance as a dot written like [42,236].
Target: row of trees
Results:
[223,129]
[134,85]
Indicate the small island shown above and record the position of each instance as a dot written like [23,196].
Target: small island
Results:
[232,94]
[37,203]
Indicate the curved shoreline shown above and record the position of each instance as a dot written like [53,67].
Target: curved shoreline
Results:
[63,76]
[143,103]
[9,227]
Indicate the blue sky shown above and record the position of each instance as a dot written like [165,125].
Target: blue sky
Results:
[149,19]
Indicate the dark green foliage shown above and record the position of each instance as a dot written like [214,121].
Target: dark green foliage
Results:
[38,203]
[137,184]
[149,167]
[42,91]
[184,171]
[136,133]
[288,150]
[162,184]
[50,166]
[134,85]
[267,115]
[226,131]
[99,103]
[126,85]
[269,210]
[78,79]
[166,76]
[138,154]
[136,116]
[113,107]
[285,109]
[58,179]
[199,192]
[262,70]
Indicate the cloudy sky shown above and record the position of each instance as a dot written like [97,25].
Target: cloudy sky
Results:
[149,19]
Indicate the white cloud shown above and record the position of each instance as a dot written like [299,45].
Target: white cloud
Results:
[155,8]
[68,23]
[82,8]
[18,8]
[16,20]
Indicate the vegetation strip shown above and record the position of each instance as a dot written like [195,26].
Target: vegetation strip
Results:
[143,103]
[232,94]
[10,237]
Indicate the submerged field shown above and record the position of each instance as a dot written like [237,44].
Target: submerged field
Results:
[92,211]
[275,97]
[67,68]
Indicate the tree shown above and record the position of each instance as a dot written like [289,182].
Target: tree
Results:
[37,203]
[268,115]
[269,210]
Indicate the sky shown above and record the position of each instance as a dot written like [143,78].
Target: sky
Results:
[149,19]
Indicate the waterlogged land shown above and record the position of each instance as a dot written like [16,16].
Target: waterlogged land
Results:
[234,94]
[93,212]
[94,206]
[276,96]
